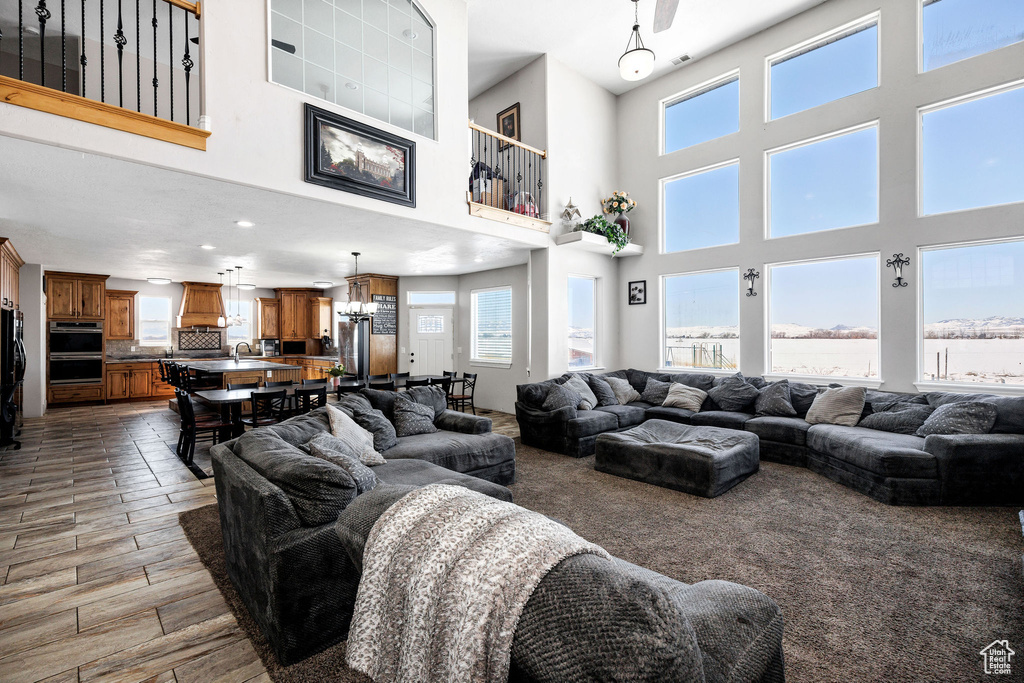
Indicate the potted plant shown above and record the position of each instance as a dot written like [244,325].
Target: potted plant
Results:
[336,373]
[619,204]
[613,232]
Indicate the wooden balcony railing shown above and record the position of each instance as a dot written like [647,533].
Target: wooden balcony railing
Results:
[506,181]
[114,63]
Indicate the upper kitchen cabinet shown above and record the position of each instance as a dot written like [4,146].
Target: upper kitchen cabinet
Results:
[120,314]
[295,319]
[201,305]
[268,314]
[75,296]
[10,267]
[320,311]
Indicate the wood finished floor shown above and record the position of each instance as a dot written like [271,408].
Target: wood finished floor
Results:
[97,581]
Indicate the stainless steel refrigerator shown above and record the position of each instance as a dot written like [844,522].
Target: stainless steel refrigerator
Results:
[354,346]
[12,375]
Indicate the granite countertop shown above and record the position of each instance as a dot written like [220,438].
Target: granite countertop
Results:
[229,365]
[153,359]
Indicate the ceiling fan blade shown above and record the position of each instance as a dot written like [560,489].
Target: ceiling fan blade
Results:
[664,13]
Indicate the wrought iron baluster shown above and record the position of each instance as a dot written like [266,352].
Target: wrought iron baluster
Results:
[1,41]
[21,43]
[63,49]
[103,59]
[187,64]
[121,41]
[42,14]
[138,58]
[156,83]
[540,186]
[83,61]
[170,55]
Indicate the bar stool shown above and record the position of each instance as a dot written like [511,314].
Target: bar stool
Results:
[192,428]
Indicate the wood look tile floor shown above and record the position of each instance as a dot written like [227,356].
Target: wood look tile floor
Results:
[97,580]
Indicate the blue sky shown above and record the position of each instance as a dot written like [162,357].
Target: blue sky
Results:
[706,117]
[826,294]
[958,29]
[703,210]
[581,302]
[702,299]
[974,282]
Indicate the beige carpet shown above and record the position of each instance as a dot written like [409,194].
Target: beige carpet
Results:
[869,592]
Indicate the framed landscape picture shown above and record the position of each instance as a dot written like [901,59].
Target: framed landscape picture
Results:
[637,292]
[508,125]
[351,156]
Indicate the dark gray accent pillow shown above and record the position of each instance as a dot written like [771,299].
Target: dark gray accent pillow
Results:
[432,396]
[373,421]
[897,418]
[758,382]
[637,378]
[733,394]
[560,396]
[362,475]
[960,418]
[602,390]
[655,392]
[413,418]
[697,380]
[384,401]
[802,397]
[774,400]
[353,403]
[1009,409]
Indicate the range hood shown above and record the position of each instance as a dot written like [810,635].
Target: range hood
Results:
[201,305]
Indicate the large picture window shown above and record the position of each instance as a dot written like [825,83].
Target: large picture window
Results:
[834,66]
[824,184]
[582,328]
[973,313]
[702,209]
[958,29]
[705,113]
[154,321]
[702,320]
[824,318]
[492,326]
[240,333]
[972,152]
[371,56]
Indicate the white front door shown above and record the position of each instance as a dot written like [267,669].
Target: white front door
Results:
[431,341]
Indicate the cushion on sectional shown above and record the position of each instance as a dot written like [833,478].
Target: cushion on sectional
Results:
[697,380]
[362,475]
[602,390]
[637,378]
[301,428]
[897,418]
[680,415]
[684,396]
[353,402]
[788,430]
[802,396]
[432,396]
[972,417]
[878,401]
[1010,417]
[626,415]
[357,439]
[733,393]
[454,451]
[413,418]
[533,395]
[591,422]
[655,391]
[380,427]
[774,400]
[884,454]
[578,384]
[624,391]
[384,401]
[727,419]
[561,396]
[837,406]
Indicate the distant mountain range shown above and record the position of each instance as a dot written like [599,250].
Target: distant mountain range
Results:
[795,331]
[974,327]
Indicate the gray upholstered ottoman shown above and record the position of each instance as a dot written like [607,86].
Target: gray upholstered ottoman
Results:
[704,461]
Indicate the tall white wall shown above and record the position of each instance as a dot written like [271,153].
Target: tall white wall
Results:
[894,104]
[528,87]
[33,306]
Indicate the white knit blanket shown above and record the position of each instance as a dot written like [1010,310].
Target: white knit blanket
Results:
[446,575]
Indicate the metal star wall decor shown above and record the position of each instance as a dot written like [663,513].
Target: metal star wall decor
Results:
[571,211]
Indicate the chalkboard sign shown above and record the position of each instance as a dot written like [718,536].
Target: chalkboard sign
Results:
[386,319]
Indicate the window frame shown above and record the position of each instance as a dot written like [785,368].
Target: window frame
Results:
[473,360]
[924,385]
[663,319]
[691,93]
[597,324]
[821,40]
[170,322]
[249,322]
[946,104]
[410,304]
[767,188]
[822,380]
[663,209]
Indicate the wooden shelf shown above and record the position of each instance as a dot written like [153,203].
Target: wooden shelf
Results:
[588,241]
[508,217]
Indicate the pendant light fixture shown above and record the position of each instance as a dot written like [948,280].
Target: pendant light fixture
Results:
[637,62]
[236,319]
[221,322]
[357,309]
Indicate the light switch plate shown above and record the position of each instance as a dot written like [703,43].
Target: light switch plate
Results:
[403,349]
[458,350]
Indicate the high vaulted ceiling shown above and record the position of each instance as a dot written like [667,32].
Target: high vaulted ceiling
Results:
[589,36]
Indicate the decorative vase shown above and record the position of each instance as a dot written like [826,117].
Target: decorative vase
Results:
[335,381]
[623,223]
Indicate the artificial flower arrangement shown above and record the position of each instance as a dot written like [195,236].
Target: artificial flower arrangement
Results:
[619,203]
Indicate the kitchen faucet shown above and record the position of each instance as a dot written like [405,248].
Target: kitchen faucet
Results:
[239,344]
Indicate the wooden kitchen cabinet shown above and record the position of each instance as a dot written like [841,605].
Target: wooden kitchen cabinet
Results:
[10,267]
[268,315]
[129,380]
[320,311]
[117,384]
[75,296]
[295,318]
[120,320]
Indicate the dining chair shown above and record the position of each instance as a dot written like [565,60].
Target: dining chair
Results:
[349,388]
[395,376]
[268,407]
[307,399]
[380,378]
[409,383]
[460,401]
[446,385]
[282,383]
[382,386]
[192,429]
[163,371]
[290,400]
[237,386]
[314,382]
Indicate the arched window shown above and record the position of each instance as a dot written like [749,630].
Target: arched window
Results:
[375,57]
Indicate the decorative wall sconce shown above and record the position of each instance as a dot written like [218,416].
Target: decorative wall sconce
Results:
[896,263]
[750,276]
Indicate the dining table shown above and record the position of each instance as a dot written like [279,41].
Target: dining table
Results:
[353,383]
[230,402]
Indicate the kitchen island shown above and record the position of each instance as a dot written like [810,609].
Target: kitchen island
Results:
[244,371]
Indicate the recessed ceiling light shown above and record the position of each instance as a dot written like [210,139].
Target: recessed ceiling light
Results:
[323,284]
[208,247]
[158,280]
[478,260]
[351,86]
[245,224]
[245,285]
[410,34]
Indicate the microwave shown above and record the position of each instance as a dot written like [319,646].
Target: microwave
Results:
[271,347]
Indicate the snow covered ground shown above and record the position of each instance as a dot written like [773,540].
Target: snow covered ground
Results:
[989,361]
[825,357]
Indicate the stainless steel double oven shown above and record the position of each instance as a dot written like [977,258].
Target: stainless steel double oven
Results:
[76,353]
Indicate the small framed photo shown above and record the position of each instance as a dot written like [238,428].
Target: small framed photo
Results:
[508,125]
[349,155]
[637,292]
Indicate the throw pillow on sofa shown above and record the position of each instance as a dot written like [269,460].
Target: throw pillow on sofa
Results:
[602,390]
[685,397]
[624,391]
[802,396]
[383,431]
[655,392]
[837,406]
[733,393]
[413,418]
[774,400]
[896,418]
[960,418]
[587,399]
[357,439]
[363,476]
[432,396]
[561,396]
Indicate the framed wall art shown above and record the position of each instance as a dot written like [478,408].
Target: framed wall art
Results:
[508,125]
[637,292]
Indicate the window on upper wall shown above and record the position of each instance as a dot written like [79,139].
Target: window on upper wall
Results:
[492,325]
[431,298]
[707,112]
[154,321]
[702,320]
[824,318]
[824,184]
[836,65]
[243,332]
[972,152]
[952,30]
[702,208]
[371,56]
[582,324]
[973,313]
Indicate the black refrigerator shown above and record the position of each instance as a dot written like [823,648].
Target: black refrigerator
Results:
[12,374]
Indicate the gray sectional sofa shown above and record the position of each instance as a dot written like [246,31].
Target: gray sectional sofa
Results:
[897,469]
